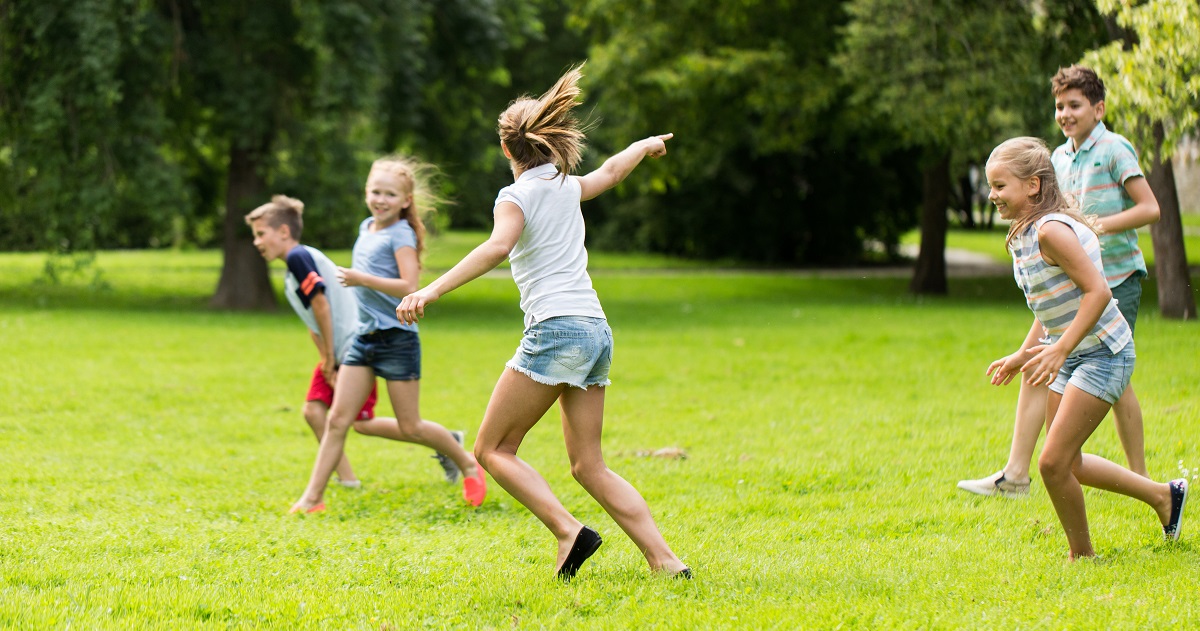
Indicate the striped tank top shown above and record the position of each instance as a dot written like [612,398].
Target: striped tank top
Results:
[1054,298]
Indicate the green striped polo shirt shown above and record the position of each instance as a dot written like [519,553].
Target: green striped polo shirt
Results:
[1096,176]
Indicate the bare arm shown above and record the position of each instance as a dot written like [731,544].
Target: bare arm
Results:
[324,339]
[1060,246]
[621,165]
[406,262]
[510,221]
[1143,212]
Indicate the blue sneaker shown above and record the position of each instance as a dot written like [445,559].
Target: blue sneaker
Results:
[1179,494]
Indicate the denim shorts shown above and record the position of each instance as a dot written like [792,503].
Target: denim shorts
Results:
[574,350]
[394,354]
[1129,298]
[1098,372]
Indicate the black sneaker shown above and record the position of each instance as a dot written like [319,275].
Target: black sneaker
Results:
[1179,494]
[448,467]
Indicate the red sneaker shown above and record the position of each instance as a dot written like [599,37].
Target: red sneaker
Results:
[299,508]
[475,489]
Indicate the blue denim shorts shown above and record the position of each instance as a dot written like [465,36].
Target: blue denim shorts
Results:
[394,354]
[1098,372]
[574,350]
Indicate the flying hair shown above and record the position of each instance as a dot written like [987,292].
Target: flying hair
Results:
[418,180]
[545,130]
[280,211]
[1027,157]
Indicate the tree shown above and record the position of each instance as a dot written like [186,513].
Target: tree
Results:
[954,78]
[82,119]
[1153,96]
[768,163]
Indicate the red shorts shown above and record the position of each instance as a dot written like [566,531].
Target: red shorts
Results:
[320,390]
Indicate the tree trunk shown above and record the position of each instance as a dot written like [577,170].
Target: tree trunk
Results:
[929,277]
[1175,298]
[966,201]
[245,283]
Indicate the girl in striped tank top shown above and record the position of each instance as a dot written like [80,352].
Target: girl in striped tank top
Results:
[1079,344]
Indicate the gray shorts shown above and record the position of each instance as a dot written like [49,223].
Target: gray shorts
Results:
[1129,298]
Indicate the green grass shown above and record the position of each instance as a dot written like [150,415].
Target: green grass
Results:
[152,448]
[991,242]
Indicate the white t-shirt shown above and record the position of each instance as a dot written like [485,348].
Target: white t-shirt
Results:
[549,262]
[311,272]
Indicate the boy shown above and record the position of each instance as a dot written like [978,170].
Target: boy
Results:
[331,313]
[1100,169]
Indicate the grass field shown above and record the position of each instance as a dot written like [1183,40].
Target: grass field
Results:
[152,448]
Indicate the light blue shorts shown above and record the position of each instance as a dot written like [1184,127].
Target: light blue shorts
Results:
[1098,372]
[574,350]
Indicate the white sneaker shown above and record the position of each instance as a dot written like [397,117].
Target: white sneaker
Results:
[350,484]
[995,484]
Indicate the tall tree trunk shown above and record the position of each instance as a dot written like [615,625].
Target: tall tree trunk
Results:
[929,277]
[245,283]
[1175,298]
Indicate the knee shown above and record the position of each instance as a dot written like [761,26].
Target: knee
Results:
[1053,467]
[408,430]
[314,413]
[585,471]
[339,424]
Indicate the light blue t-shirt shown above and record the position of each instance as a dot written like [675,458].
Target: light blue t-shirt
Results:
[375,254]
[1096,176]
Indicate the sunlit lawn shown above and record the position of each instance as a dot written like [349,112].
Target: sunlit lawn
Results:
[151,448]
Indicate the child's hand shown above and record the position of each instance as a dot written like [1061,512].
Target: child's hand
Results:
[329,371]
[412,306]
[656,146]
[1043,368]
[1004,369]
[349,277]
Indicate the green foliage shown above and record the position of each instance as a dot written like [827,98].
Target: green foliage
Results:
[767,164]
[1157,80]
[82,120]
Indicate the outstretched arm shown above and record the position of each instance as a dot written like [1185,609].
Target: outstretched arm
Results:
[617,167]
[510,221]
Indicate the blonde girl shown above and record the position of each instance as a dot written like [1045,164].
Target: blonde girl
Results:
[386,266]
[1087,356]
[567,347]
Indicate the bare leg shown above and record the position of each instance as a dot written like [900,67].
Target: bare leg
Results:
[315,413]
[1031,416]
[583,422]
[1128,414]
[1013,479]
[411,428]
[1064,467]
[517,404]
[353,386]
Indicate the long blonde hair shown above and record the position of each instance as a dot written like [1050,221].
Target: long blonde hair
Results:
[546,130]
[417,178]
[1027,157]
